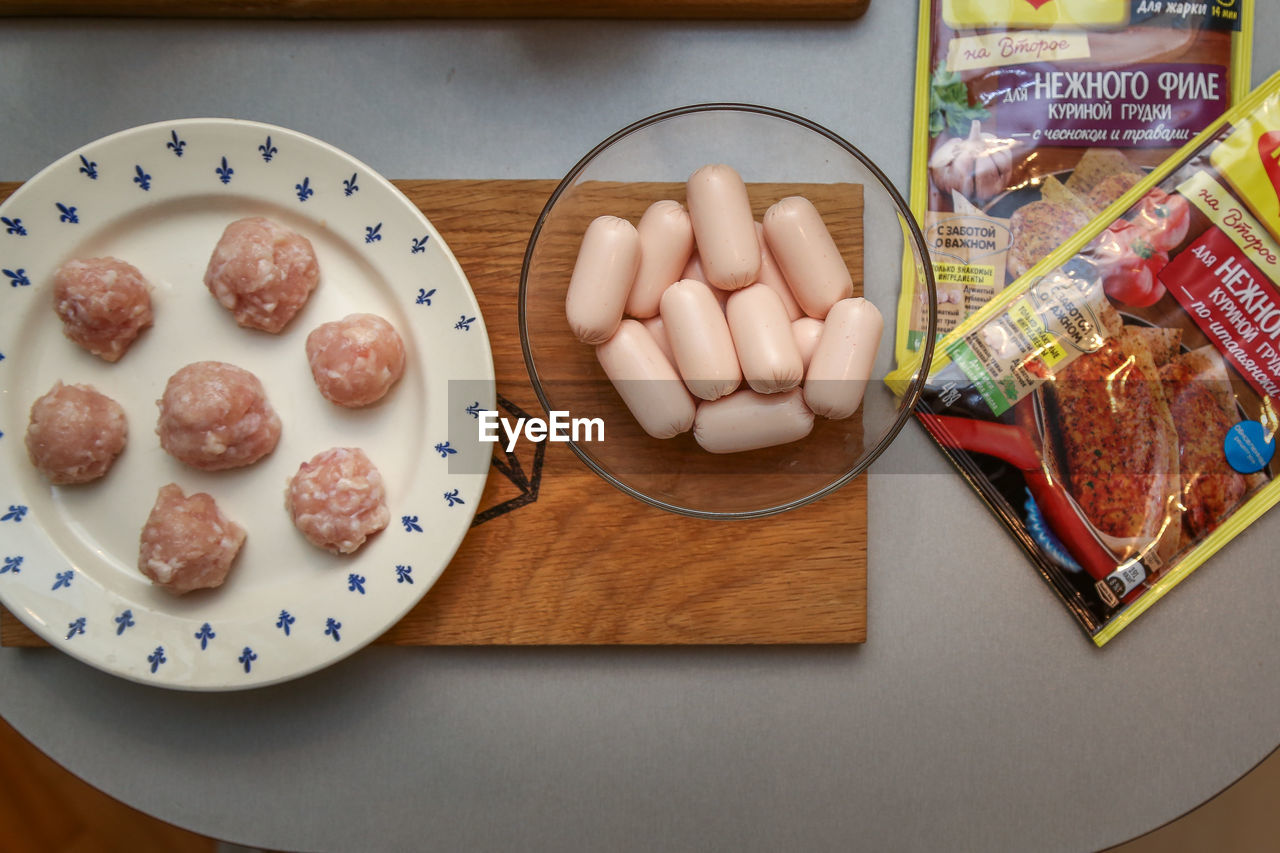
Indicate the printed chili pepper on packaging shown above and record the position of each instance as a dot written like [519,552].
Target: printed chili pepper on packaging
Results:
[1116,407]
[1033,116]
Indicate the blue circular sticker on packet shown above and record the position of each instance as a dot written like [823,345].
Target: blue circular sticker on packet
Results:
[1248,447]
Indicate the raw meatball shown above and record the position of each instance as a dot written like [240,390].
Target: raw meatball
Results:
[75,433]
[262,272]
[214,415]
[103,303]
[187,543]
[355,360]
[337,499]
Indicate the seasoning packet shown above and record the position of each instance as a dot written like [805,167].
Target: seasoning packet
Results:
[1116,407]
[1034,116]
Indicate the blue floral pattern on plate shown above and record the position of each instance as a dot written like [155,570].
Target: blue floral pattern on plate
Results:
[218,639]
[124,622]
[15,513]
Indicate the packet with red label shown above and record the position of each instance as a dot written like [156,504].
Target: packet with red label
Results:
[1033,116]
[1117,405]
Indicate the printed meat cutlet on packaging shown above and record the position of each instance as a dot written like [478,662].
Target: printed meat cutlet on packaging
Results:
[1116,406]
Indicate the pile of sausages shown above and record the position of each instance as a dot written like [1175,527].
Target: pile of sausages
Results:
[710,298]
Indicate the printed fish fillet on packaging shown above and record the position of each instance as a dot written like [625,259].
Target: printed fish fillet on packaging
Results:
[1116,407]
[1033,116]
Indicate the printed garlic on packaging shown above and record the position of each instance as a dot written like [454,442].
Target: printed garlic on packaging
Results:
[1116,407]
[1033,117]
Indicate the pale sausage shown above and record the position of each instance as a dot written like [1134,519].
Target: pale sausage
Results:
[842,363]
[723,227]
[666,241]
[700,339]
[772,276]
[807,256]
[762,337]
[602,277]
[806,332]
[749,421]
[658,330]
[694,270]
[646,381]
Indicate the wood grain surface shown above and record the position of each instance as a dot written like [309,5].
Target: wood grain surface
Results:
[356,9]
[45,808]
[578,562]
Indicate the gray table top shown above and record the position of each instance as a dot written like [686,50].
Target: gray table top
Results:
[976,717]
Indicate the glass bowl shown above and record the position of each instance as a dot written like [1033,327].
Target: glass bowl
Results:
[777,154]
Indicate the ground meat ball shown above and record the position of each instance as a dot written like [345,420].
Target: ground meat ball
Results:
[337,499]
[215,415]
[75,433]
[103,303]
[355,360]
[187,543]
[262,272]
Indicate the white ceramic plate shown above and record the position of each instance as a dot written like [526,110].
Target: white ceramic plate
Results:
[159,196]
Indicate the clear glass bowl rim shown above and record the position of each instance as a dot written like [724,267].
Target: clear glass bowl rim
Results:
[914,388]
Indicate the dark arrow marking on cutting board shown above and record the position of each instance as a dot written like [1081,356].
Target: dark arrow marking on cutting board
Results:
[509,465]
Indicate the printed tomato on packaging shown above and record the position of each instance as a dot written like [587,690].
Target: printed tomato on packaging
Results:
[1034,116]
[1116,407]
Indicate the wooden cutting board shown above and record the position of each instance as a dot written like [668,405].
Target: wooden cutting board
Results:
[558,557]
[678,9]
